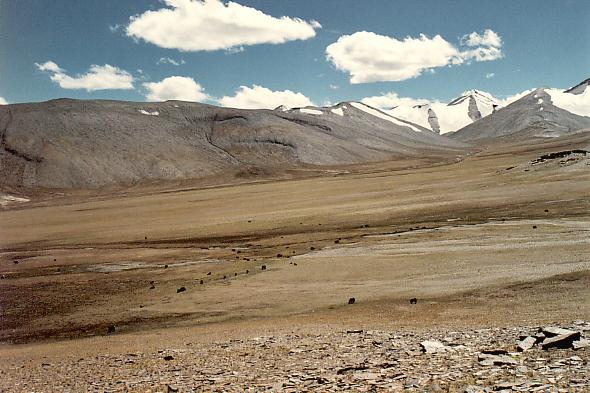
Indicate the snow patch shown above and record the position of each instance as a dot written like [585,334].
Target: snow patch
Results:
[382,115]
[310,111]
[5,200]
[414,114]
[541,108]
[144,112]
[540,101]
[578,104]
[337,111]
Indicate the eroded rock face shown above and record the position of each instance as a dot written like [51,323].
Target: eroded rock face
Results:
[433,121]
[473,111]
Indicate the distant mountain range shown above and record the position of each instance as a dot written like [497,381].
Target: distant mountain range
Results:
[79,144]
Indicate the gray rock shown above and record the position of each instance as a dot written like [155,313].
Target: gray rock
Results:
[551,331]
[582,343]
[561,341]
[433,346]
[498,360]
[526,344]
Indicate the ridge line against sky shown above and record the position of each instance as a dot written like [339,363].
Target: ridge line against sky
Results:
[257,54]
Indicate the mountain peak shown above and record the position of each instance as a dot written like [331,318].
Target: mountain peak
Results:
[579,88]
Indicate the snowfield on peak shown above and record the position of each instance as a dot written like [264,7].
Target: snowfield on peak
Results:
[337,111]
[443,118]
[382,115]
[144,112]
[310,111]
[578,104]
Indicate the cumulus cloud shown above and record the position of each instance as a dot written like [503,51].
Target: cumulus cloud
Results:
[3,101]
[49,66]
[175,88]
[207,25]
[257,97]
[392,100]
[167,60]
[488,38]
[370,57]
[104,77]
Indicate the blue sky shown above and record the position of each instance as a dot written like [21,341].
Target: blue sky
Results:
[541,43]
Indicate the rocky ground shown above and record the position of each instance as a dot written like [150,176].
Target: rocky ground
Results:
[514,359]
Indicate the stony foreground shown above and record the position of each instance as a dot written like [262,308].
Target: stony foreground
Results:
[486,360]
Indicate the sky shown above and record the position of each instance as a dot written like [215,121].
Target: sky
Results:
[263,53]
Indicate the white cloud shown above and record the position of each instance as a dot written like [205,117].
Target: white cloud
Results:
[334,87]
[167,60]
[488,38]
[49,66]
[370,57]
[114,28]
[490,75]
[257,97]
[104,77]
[482,54]
[392,100]
[3,101]
[207,25]
[175,88]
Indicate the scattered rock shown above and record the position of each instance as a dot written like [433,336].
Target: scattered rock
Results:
[526,344]
[498,360]
[433,346]
[562,341]
[579,344]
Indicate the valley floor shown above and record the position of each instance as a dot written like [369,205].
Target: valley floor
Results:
[491,246]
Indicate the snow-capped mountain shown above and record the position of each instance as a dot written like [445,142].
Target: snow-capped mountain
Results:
[540,113]
[442,118]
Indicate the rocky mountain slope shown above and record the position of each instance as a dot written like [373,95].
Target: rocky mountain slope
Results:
[76,144]
[542,113]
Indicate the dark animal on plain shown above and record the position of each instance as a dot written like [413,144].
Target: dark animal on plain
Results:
[247,271]
[413,301]
[209,273]
[110,329]
[181,289]
[263,267]
[201,282]
[351,300]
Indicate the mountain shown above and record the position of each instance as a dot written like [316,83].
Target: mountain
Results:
[580,88]
[78,144]
[442,118]
[542,113]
